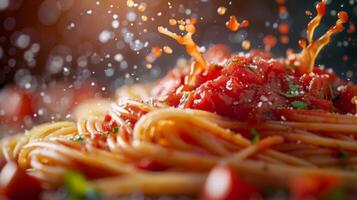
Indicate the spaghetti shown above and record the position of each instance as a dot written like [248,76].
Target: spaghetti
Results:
[168,144]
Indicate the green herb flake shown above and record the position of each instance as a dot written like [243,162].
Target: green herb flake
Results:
[293,87]
[78,187]
[293,92]
[342,154]
[185,96]
[255,137]
[299,105]
[78,138]
[115,129]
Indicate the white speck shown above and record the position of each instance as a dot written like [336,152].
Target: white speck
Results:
[283,118]
[4,4]
[55,64]
[131,16]
[341,88]
[118,57]
[71,26]
[260,104]
[115,23]
[263,98]
[109,72]
[105,36]
[23,41]
[89,12]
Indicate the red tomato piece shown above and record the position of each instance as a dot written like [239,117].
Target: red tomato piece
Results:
[312,187]
[15,184]
[223,183]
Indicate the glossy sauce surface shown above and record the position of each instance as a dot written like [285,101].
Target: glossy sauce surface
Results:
[254,86]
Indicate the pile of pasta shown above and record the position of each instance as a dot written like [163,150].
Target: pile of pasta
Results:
[307,143]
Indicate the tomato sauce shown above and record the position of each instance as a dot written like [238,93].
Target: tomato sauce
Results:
[252,87]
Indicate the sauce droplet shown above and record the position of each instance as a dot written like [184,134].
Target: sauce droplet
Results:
[283,28]
[172,22]
[130,3]
[144,18]
[269,42]
[221,10]
[142,7]
[167,50]
[232,24]
[246,44]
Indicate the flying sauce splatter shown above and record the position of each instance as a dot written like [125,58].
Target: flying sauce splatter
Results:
[192,49]
[304,61]
[233,24]
[221,10]
[270,41]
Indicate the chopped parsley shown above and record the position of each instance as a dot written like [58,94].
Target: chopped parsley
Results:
[185,96]
[255,137]
[115,129]
[78,138]
[293,92]
[78,187]
[343,154]
[299,105]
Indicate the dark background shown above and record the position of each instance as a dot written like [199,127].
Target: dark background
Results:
[49,24]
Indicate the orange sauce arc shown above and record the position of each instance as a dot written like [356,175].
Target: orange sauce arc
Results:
[304,61]
[192,49]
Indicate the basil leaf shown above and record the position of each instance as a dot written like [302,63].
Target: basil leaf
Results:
[115,129]
[344,154]
[293,87]
[299,105]
[78,138]
[293,92]
[255,137]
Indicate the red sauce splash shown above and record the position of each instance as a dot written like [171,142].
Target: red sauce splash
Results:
[192,49]
[233,24]
[304,61]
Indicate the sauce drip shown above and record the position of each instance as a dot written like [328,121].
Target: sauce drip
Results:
[304,62]
[192,49]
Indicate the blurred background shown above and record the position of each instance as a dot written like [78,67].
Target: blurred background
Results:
[56,53]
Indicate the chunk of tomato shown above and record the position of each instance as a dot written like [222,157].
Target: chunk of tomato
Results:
[223,183]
